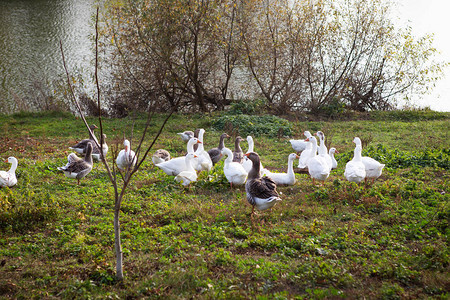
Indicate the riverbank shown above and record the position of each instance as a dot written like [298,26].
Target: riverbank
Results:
[388,240]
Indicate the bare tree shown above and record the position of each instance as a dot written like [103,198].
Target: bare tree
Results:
[299,55]
[310,54]
[356,55]
[272,36]
[119,180]
[182,51]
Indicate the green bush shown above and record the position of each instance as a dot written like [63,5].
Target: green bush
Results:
[246,107]
[253,125]
[394,158]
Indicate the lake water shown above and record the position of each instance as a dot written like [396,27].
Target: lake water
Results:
[30,58]
[30,31]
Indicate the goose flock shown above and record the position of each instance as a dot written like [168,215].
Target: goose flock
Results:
[246,169]
[239,168]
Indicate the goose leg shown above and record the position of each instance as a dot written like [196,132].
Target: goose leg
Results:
[251,215]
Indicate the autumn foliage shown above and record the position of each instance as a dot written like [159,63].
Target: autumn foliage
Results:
[296,55]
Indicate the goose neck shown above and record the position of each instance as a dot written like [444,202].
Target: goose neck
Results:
[255,170]
[229,155]
[200,135]
[190,145]
[357,153]
[290,169]
[237,146]
[13,166]
[221,142]
[250,146]
[88,155]
[313,146]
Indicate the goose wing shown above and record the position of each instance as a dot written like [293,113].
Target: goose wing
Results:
[263,188]
[83,144]
[215,154]
[73,158]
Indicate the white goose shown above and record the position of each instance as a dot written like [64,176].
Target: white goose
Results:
[203,160]
[317,166]
[176,165]
[298,145]
[126,157]
[247,163]
[373,167]
[234,171]
[189,174]
[284,178]
[306,154]
[331,152]
[323,151]
[8,178]
[354,169]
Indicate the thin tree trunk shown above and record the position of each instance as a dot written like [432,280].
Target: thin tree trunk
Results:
[118,245]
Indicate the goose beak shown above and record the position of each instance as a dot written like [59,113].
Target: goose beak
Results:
[297,156]
[247,154]
[307,140]
[198,142]
[336,151]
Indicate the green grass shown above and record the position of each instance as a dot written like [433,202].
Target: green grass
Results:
[339,240]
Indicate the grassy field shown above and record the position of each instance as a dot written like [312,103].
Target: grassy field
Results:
[339,240]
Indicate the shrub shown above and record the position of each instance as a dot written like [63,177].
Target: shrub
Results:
[247,107]
[253,125]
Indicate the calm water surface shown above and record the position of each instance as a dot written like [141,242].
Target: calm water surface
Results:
[30,31]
